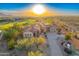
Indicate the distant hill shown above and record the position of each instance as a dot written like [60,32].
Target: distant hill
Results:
[4,15]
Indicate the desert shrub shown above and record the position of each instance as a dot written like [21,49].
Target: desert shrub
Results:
[41,40]
[11,44]
[67,37]
[35,53]
[11,33]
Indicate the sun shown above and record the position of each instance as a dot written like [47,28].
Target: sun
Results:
[38,9]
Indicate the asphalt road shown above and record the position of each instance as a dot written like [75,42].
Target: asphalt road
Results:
[55,48]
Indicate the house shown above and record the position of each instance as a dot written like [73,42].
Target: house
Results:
[27,34]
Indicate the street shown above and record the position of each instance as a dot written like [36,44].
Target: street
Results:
[53,45]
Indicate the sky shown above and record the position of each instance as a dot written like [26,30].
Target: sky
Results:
[59,7]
